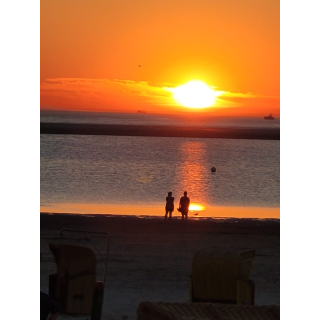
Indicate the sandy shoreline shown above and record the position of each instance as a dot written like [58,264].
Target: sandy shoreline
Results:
[159,131]
[158,211]
[150,259]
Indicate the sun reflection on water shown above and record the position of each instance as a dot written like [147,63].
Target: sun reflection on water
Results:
[196,207]
[158,210]
[192,173]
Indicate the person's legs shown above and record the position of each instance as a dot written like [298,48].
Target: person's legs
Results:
[170,214]
[166,214]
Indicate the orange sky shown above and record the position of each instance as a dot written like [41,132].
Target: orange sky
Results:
[91,51]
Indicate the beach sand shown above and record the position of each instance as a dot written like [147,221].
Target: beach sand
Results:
[150,258]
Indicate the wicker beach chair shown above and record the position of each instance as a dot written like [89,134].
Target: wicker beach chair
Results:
[148,310]
[74,282]
[222,276]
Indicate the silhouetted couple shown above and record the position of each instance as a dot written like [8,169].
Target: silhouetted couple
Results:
[183,205]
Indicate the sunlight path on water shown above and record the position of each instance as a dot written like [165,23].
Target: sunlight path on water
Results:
[157,210]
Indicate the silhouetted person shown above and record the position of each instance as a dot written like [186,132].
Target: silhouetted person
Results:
[184,206]
[169,205]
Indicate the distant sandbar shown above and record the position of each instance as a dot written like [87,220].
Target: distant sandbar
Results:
[159,131]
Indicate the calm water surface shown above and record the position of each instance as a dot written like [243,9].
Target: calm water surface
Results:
[139,171]
[197,120]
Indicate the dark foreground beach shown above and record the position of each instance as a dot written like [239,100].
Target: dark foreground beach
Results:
[150,258]
[159,131]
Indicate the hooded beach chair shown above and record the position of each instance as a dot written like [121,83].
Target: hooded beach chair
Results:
[148,310]
[222,276]
[74,282]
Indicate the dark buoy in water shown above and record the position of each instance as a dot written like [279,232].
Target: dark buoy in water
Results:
[213,169]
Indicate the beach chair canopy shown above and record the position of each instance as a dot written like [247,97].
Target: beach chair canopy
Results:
[73,284]
[73,260]
[216,274]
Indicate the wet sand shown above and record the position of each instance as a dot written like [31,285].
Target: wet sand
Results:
[158,210]
[150,258]
[159,131]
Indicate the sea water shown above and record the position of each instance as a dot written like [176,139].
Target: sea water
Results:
[132,175]
[196,120]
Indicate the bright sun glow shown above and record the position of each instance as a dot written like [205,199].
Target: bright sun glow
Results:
[196,207]
[195,94]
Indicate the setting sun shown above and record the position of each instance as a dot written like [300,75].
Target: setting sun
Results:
[195,94]
[161,58]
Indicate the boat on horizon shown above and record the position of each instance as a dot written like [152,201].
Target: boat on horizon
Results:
[141,111]
[269,117]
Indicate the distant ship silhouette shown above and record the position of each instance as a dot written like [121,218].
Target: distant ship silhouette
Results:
[269,117]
